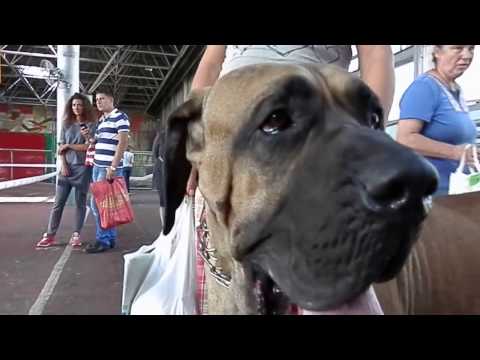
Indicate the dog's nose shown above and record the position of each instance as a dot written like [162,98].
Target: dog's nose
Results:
[410,178]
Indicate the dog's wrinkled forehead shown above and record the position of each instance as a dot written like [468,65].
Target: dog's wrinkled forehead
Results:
[245,87]
[240,91]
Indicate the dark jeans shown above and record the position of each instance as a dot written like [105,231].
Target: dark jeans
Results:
[127,171]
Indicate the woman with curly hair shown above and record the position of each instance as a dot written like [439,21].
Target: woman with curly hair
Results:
[79,113]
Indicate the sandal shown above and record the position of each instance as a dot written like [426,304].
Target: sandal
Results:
[75,240]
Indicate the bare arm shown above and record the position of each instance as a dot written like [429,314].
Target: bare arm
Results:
[78,147]
[377,70]
[408,134]
[207,74]
[209,67]
[121,147]
[65,170]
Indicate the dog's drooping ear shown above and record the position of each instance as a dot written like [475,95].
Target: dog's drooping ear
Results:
[183,126]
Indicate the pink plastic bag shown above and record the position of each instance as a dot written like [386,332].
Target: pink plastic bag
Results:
[113,202]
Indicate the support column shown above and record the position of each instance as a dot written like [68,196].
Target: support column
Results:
[68,61]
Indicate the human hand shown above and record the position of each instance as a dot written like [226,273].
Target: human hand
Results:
[469,158]
[85,132]
[110,174]
[63,148]
[192,182]
[472,160]
[65,170]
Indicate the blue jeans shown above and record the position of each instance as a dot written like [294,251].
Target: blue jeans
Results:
[107,237]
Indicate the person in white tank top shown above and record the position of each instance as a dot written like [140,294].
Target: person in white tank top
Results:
[237,56]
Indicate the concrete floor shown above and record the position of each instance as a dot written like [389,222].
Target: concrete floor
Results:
[88,283]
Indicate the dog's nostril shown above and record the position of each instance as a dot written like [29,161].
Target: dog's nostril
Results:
[391,194]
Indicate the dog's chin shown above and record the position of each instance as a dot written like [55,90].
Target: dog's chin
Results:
[395,264]
[279,285]
[343,297]
[333,279]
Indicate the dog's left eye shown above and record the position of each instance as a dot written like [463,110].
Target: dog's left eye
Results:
[276,122]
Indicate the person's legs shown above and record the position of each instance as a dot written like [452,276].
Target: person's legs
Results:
[106,237]
[81,204]
[93,205]
[81,209]
[127,171]
[61,196]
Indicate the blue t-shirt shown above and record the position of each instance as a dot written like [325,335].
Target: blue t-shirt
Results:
[446,119]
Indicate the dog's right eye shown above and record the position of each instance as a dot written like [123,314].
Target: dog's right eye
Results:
[277,121]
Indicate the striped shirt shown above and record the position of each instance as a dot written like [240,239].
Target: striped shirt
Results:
[107,137]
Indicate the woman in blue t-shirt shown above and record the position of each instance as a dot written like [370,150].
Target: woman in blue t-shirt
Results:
[434,118]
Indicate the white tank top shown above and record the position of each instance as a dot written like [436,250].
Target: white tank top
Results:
[237,56]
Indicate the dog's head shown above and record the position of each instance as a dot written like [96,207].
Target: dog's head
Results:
[304,188]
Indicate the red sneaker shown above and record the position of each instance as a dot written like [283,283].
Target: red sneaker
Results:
[46,241]
[75,240]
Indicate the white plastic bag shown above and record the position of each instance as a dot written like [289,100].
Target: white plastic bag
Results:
[136,267]
[160,279]
[461,183]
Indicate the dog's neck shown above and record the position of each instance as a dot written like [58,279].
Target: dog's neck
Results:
[214,261]
[222,283]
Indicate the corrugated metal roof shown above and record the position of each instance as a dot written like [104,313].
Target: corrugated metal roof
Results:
[137,74]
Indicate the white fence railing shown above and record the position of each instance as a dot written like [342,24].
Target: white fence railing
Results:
[10,162]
